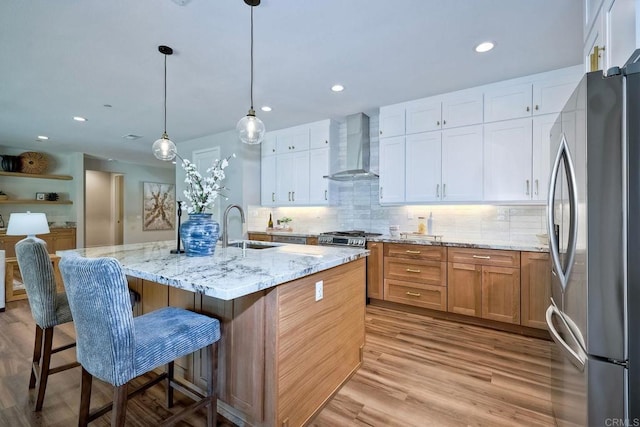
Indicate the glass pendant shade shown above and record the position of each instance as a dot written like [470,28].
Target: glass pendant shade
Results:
[164,148]
[250,129]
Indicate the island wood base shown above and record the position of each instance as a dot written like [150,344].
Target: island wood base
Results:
[282,355]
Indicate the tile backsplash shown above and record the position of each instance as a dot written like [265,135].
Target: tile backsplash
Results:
[356,207]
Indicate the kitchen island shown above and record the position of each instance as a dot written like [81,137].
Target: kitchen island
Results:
[292,319]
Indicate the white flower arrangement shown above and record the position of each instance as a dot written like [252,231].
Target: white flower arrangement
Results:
[202,191]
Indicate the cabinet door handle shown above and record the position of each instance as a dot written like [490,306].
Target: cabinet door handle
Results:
[537,188]
[438,123]
[326,141]
[289,195]
[409,251]
[293,196]
[273,150]
[481,257]
[412,270]
[273,197]
[527,192]
[444,190]
[444,122]
[381,192]
[438,190]
[413,294]
[293,147]
[536,107]
[528,109]
[325,194]
[380,132]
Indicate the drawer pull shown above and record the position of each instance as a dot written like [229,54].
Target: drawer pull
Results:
[482,257]
[413,294]
[409,251]
[411,270]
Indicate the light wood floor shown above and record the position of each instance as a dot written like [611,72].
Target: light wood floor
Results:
[417,371]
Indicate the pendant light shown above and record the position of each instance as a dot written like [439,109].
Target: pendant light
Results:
[250,128]
[164,148]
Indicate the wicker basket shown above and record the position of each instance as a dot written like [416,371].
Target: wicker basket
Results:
[32,162]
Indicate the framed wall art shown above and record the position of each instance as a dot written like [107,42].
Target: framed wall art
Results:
[159,206]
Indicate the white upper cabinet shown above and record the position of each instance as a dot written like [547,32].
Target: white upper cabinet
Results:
[269,144]
[392,170]
[541,156]
[268,181]
[621,30]
[291,173]
[507,160]
[542,93]
[292,139]
[444,112]
[292,179]
[392,120]
[462,164]
[462,108]
[424,115]
[507,101]
[612,33]
[318,168]
[423,167]
[552,90]
[322,133]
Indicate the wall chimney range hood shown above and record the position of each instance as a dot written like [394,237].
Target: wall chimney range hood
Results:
[357,167]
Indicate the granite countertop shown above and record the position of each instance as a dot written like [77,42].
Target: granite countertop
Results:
[231,273]
[463,243]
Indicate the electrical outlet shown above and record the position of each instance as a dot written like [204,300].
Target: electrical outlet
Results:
[319,290]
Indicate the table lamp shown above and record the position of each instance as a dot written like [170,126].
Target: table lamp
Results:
[29,224]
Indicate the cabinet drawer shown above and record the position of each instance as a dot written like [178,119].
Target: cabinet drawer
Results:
[427,272]
[427,296]
[493,257]
[259,237]
[430,253]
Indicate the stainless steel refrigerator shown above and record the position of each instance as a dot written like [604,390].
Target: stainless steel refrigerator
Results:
[594,227]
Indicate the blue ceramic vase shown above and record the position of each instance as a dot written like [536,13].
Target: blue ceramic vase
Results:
[199,234]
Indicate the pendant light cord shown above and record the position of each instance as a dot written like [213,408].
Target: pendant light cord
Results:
[165,93]
[252,57]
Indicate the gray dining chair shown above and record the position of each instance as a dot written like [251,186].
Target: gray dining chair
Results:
[49,308]
[116,347]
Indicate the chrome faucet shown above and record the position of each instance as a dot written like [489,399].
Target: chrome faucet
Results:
[225,221]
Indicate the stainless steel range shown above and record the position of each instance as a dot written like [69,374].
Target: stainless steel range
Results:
[355,238]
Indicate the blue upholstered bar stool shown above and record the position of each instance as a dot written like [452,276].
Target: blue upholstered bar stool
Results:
[48,308]
[116,347]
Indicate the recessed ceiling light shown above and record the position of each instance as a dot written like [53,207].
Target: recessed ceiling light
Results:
[265,108]
[43,137]
[337,88]
[484,47]
[79,119]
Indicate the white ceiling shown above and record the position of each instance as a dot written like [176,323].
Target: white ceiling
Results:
[70,57]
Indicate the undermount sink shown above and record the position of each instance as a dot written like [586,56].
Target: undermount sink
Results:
[251,245]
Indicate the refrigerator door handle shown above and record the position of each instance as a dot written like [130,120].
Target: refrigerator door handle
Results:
[563,156]
[577,358]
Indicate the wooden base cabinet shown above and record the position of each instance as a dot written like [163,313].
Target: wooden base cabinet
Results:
[282,354]
[536,288]
[416,275]
[375,270]
[484,283]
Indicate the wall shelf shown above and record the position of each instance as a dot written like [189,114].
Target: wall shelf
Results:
[34,202]
[33,175]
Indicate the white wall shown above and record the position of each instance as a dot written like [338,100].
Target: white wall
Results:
[97,215]
[134,176]
[242,175]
